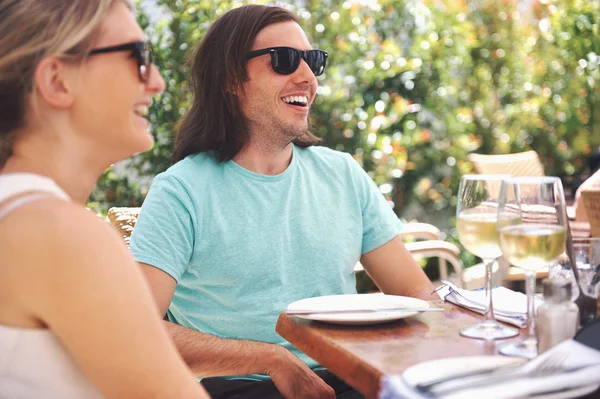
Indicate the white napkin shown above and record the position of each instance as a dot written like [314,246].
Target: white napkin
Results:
[394,386]
[509,306]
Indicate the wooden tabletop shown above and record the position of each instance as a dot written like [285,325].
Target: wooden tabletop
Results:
[360,355]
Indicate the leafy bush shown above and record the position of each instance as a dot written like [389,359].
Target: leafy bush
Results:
[412,88]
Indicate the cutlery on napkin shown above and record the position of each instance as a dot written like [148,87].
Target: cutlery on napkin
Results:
[364,310]
[509,306]
[580,368]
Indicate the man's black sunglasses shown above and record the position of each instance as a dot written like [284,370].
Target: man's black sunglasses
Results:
[142,51]
[285,60]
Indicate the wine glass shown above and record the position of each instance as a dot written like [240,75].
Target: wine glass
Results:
[587,259]
[534,239]
[476,219]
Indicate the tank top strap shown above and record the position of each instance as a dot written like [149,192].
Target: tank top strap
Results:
[19,189]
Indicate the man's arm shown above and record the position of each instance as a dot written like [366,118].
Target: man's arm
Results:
[210,356]
[395,271]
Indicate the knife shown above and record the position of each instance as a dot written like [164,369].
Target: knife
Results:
[364,310]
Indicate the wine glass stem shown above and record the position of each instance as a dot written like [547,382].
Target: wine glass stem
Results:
[530,291]
[489,309]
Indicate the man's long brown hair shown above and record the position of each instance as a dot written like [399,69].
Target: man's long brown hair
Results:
[215,121]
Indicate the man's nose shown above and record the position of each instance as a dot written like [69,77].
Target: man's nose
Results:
[303,74]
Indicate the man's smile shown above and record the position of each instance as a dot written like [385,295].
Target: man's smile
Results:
[300,101]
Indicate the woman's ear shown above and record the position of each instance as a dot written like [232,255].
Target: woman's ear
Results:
[51,82]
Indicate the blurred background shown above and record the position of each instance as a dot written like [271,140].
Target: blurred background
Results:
[411,88]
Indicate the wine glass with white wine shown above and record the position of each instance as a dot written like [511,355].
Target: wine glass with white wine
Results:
[476,219]
[534,242]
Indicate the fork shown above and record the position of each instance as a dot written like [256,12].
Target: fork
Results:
[488,376]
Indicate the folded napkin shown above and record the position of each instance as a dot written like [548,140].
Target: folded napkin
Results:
[509,306]
[575,355]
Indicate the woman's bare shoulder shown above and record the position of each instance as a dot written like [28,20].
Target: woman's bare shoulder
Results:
[76,276]
[54,222]
[51,238]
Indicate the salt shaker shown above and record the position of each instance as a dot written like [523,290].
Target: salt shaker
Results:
[557,318]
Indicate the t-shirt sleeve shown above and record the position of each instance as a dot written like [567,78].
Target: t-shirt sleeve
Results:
[380,223]
[165,230]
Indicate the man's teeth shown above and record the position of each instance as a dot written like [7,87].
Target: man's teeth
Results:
[296,99]
[141,110]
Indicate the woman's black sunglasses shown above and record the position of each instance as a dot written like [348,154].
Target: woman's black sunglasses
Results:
[285,60]
[142,51]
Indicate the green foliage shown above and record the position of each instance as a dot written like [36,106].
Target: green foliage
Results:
[412,87]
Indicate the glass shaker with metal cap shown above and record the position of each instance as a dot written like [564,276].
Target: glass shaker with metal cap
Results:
[557,318]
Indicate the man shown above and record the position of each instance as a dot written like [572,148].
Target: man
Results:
[253,216]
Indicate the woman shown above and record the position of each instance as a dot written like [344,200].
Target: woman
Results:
[76,317]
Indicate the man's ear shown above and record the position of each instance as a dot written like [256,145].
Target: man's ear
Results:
[51,80]
[235,88]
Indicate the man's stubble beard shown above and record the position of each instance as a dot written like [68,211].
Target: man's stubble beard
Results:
[281,133]
[272,130]
[291,132]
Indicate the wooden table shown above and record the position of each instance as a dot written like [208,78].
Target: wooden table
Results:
[361,355]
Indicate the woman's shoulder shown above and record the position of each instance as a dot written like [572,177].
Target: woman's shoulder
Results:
[53,213]
[51,228]
[51,244]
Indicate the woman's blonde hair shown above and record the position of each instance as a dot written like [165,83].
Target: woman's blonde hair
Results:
[31,30]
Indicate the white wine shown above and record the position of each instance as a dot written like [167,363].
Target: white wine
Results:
[478,233]
[532,246]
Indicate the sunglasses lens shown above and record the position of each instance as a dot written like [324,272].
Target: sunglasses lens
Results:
[316,61]
[285,60]
[145,61]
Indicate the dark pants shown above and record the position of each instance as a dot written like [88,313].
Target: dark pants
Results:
[219,388]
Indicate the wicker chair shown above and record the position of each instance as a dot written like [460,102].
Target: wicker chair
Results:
[591,183]
[520,164]
[525,164]
[123,219]
[591,202]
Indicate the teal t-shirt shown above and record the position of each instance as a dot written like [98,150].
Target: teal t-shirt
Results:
[242,246]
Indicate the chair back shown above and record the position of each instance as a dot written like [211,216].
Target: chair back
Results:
[591,202]
[591,183]
[123,219]
[520,164]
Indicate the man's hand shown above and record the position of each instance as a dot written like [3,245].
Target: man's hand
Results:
[295,380]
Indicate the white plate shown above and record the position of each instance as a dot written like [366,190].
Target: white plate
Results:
[427,371]
[344,302]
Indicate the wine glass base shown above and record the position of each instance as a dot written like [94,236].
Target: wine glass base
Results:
[489,330]
[527,348]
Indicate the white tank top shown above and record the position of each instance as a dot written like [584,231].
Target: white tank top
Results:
[33,363]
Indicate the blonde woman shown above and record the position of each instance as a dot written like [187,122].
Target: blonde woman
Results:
[76,318]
